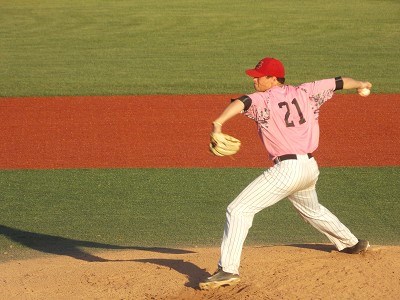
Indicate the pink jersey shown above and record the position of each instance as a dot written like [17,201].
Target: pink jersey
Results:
[287,116]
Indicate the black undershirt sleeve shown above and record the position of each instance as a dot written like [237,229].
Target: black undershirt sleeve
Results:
[246,101]
[339,83]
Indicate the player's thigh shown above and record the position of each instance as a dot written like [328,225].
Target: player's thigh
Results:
[267,189]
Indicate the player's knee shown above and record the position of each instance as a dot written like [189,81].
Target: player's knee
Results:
[317,212]
[238,211]
[237,215]
[233,211]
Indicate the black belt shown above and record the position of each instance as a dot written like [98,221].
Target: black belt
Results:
[288,156]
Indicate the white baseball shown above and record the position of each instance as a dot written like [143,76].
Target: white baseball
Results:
[365,92]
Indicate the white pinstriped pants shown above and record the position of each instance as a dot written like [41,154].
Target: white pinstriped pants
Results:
[295,179]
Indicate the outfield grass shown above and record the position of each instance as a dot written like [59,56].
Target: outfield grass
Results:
[99,47]
[180,207]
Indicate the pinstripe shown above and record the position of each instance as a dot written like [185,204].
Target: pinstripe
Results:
[294,179]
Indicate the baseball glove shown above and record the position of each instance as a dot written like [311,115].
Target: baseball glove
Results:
[222,144]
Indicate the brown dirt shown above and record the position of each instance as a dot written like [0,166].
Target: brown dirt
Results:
[274,272]
[145,131]
[173,131]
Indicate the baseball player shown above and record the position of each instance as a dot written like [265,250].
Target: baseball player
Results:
[287,123]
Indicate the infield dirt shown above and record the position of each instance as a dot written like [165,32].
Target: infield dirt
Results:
[267,272]
[172,131]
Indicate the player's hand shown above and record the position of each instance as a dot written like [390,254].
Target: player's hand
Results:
[365,85]
[364,89]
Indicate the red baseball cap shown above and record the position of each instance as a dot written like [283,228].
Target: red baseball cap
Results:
[267,67]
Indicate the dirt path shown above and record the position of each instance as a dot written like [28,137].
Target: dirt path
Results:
[173,131]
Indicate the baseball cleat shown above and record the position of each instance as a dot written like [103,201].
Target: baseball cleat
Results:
[360,247]
[219,279]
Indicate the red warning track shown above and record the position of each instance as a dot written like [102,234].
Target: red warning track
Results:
[173,131]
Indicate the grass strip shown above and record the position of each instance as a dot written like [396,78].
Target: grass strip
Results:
[179,207]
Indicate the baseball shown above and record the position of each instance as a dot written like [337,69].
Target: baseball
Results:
[365,92]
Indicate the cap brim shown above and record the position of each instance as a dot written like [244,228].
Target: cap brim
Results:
[254,73]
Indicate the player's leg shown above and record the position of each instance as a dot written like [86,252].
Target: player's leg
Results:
[273,185]
[239,218]
[306,203]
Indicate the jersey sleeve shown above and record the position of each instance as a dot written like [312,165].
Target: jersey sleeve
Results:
[322,90]
[258,109]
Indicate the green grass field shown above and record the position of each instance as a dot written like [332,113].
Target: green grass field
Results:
[180,207]
[99,47]
[136,47]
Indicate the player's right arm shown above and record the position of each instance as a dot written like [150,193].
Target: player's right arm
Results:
[233,109]
[350,83]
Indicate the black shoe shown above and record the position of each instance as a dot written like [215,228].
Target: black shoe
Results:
[218,279]
[360,247]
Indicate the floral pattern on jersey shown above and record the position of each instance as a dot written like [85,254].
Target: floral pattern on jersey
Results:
[259,114]
[321,98]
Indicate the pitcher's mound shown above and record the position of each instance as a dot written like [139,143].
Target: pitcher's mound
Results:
[306,271]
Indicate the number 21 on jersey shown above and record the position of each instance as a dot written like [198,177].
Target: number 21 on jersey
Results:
[287,106]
